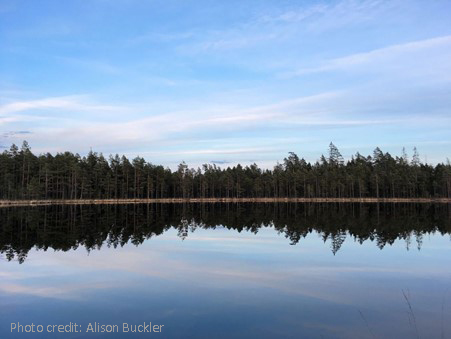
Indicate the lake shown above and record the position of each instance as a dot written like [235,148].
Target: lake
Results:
[226,271]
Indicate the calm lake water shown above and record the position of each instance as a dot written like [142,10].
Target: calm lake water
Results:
[228,271]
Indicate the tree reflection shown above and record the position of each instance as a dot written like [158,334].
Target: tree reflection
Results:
[65,228]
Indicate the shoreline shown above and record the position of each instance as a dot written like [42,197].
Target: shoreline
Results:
[22,203]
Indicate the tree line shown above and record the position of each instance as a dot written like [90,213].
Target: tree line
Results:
[24,175]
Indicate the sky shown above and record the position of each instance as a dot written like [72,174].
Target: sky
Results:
[226,82]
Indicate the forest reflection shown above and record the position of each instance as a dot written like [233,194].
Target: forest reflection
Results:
[65,228]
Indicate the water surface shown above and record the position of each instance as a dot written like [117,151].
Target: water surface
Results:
[227,270]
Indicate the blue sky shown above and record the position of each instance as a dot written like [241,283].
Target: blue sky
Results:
[226,81]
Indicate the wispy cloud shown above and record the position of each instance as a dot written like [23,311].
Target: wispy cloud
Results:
[277,24]
[19,119]
[383,56]
[295,14]
[69,103]
[331,14]
[226,81]
[160,130]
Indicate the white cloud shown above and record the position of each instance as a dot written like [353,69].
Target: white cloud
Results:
[215,121]
[290,22]
[67,103]
[324,16]
[390,56]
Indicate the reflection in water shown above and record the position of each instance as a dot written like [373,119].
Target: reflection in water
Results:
[243,271]
[66,228]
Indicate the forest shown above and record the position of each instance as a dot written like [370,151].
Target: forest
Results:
[24,175]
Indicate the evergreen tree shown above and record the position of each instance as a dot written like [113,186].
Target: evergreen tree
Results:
[24,175]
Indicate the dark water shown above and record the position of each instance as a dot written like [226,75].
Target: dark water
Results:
[228,271]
